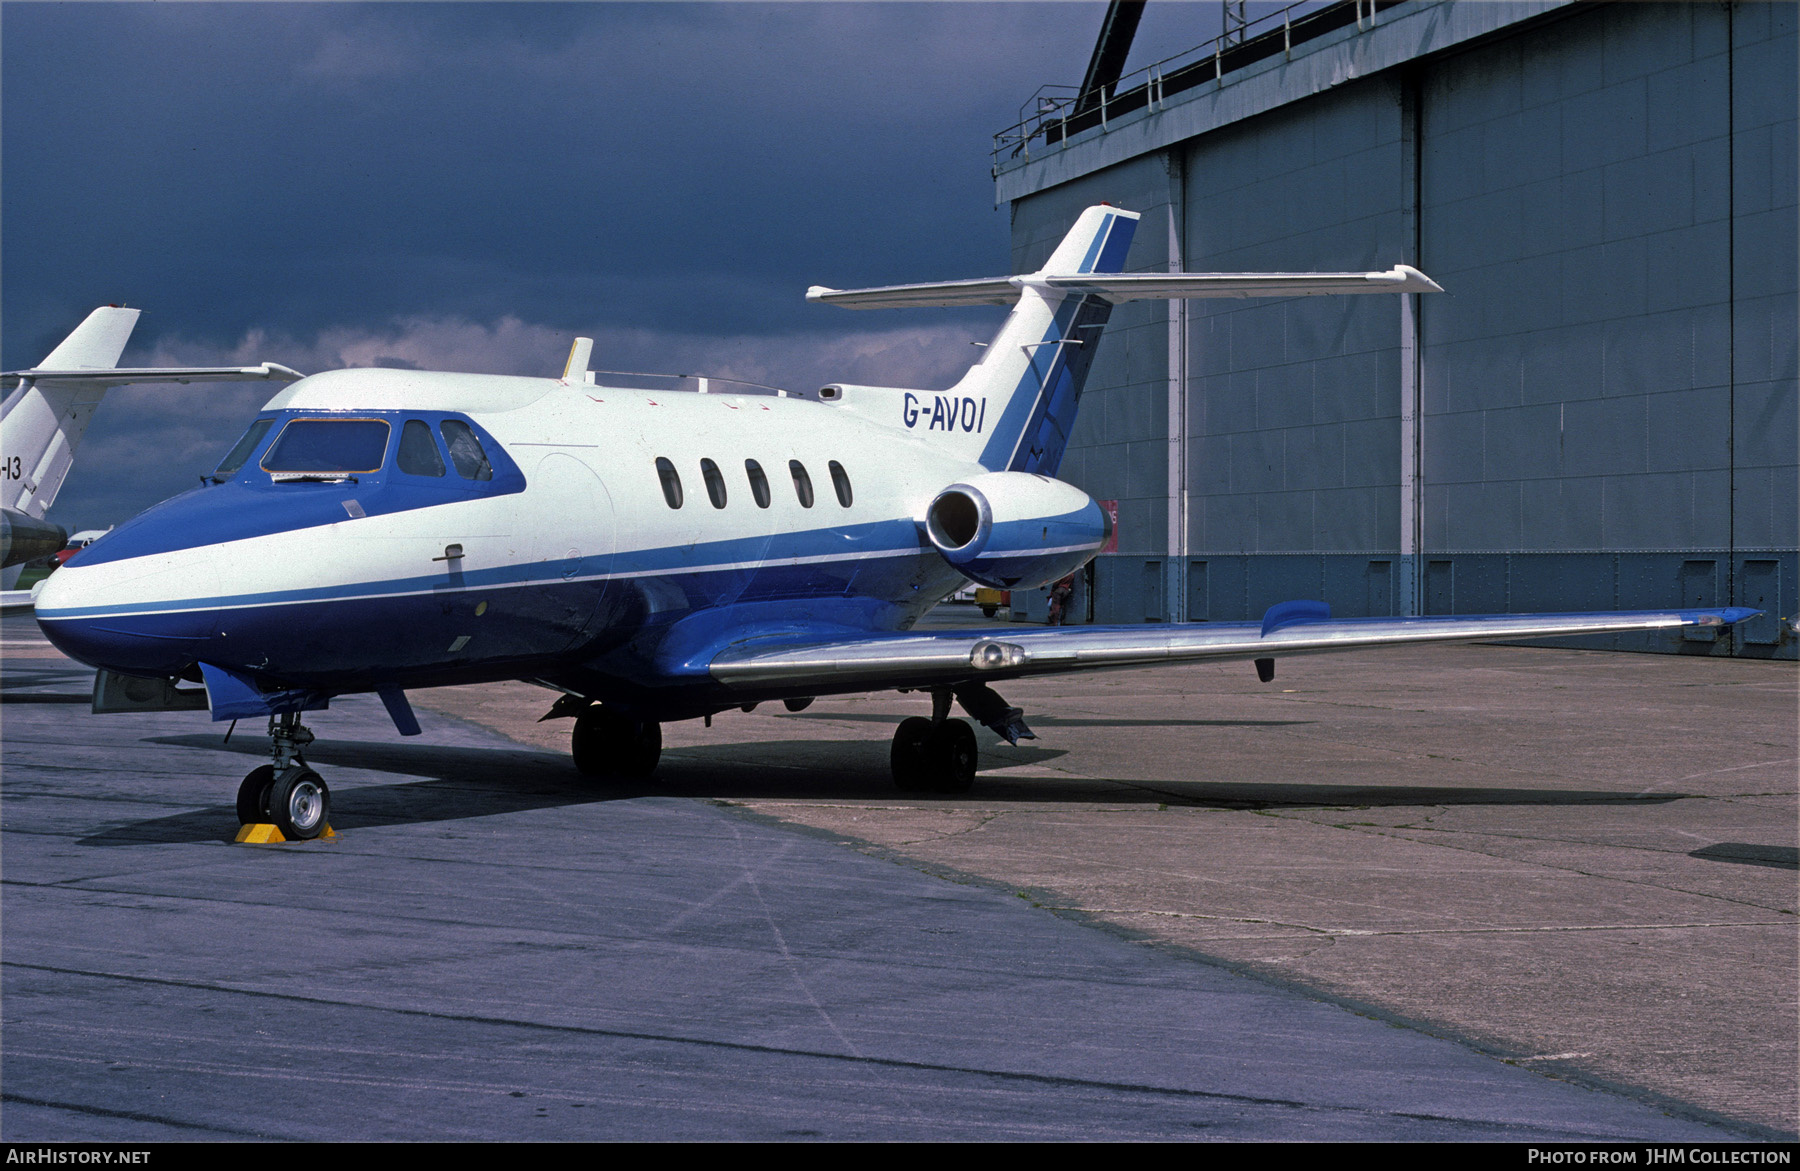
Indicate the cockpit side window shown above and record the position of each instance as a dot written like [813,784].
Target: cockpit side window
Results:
[465,451]
[245,446]
[419,451]
[329,445]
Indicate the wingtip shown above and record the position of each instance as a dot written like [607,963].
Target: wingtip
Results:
[1415,281]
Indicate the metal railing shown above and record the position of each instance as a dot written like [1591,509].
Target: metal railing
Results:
[1054,113]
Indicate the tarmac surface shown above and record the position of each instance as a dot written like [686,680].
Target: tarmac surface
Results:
[1148,925]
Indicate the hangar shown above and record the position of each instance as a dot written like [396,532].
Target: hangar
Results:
[1601,411]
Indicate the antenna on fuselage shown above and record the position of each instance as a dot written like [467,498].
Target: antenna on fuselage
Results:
[575,371]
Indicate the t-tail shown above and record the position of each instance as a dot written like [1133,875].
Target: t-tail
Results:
[1015,408]
[48,409]
[1032,373]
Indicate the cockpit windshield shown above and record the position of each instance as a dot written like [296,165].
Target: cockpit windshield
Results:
[329,446]
[235,459]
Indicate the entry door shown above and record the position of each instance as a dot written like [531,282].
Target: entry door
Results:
[573,537]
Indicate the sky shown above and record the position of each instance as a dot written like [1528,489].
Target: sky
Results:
[469,186]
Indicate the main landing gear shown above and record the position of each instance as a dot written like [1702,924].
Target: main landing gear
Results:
[938,755]
[286,793]
[607,744]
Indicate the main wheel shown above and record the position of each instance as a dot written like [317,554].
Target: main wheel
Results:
[607,744]
[253,796]
[907,757]
[300,804]
[952,754]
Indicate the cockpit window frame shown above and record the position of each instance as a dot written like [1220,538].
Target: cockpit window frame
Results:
[248,444]
[431,447]
[475,473]
[387,443]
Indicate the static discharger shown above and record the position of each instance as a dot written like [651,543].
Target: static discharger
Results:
[262,833]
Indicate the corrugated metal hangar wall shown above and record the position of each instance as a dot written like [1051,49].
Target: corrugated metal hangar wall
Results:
[1601,410]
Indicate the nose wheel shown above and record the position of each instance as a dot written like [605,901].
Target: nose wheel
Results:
[286,794]
[300,804]
[253,795]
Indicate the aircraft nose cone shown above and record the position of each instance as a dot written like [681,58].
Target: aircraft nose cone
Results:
[95,616]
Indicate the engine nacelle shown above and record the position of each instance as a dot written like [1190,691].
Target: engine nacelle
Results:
[1015,530]
[26,538]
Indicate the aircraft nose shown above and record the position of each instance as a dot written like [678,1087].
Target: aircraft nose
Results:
[97,615]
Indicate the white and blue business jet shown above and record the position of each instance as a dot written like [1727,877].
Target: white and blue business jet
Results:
[660,556]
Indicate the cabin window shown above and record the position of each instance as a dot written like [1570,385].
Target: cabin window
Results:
[759,483]
[671,481]
[465,451]
[419,451]
[802,483]
[715,482]
[840,480]
[245,446]
[329,445]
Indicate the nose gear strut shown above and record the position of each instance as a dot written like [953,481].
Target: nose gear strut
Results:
[286,792]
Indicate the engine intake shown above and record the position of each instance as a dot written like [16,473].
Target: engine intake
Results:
[1015,530]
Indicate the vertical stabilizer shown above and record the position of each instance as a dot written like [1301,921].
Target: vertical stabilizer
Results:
[1027,385]
[96,343]
[44,419]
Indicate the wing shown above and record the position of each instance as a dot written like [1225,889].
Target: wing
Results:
[946,658]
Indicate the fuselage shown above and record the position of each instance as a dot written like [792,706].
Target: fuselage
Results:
[563,559]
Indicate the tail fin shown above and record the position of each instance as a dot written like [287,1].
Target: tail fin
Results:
[42,423]
[96,343]
[1031,376]
[1014,409]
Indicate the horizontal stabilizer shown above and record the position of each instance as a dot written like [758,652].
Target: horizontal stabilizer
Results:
[1130,286]
[986,291]
[950,657]
[268,371]
[1142,286]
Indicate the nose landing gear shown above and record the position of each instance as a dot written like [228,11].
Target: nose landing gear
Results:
[286,793]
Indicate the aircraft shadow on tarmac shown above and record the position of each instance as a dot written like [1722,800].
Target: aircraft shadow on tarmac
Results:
[459,782]
[1049,721]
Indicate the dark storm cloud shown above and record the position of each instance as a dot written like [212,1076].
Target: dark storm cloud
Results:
[245,164]
[676,174]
